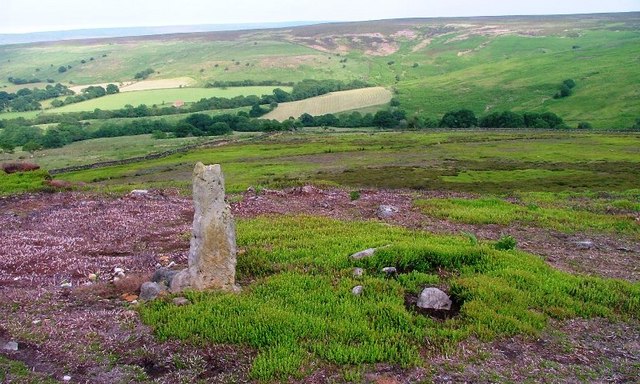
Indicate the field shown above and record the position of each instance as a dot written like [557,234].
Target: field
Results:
[335,102]
[484,64]
[533,233]
[161,97]
[563,191]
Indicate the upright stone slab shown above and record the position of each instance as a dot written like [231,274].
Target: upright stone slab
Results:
[212,255]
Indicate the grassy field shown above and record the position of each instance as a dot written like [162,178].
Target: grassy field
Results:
[481,162]
[161,97]
[434,65]
[334,102]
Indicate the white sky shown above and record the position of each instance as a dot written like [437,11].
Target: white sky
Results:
[19,16]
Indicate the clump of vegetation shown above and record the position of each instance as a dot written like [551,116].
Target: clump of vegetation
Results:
[306,312]
[506,243]
[354,195]
[566,89]
[142,75]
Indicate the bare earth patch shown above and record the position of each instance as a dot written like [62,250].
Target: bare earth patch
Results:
[89,333]
[144,85]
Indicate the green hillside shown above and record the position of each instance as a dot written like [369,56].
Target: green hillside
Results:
[435,65]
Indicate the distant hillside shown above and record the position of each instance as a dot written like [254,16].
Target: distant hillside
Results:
[485,64]
[35,37]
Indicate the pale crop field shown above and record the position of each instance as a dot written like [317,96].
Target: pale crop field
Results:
[161,97]
[334,102]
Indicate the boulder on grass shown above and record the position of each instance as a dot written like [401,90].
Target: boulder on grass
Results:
[433,298]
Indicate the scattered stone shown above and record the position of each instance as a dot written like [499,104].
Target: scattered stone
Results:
[386,211]
[180,301]
[357,290]
[66,284]
[10,346]
[150,290]
[585,244]
[36,322]
[362,254]
[433,298]
[119,272]
[138,192]
[390,271]
[93,277]
[163,276]
[307,189]
[358,272]
[212,254]
[66,378]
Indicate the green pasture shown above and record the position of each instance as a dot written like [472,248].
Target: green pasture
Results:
[161,97]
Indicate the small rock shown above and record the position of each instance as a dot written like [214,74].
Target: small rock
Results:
[149,290]
[118,272]
[357,290]
[586,244]
[66,378]
[93,277]
[308,189]
[11,346]
[129,297]
[433,298]
[358,272]
[66,284]
[362,254]
[163,276]
[180,301]
[386,211]
[390,271]
[36,322]
[139,192]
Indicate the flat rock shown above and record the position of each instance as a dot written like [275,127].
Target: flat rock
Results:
[390,271]
[180,301]
[362,254]
[585,244]
[357,290]
[386,211]
[163,276]
[433,298]
[10,346]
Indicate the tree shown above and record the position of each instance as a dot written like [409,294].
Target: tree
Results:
[184,129]
[112,88]
[384,119]
[463,118]
[219,128]
[62,69]
[584,125]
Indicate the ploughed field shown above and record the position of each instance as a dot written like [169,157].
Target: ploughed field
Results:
[534,235]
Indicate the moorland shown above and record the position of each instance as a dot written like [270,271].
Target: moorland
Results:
[507,146]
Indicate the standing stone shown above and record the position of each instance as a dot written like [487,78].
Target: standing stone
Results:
[212,254]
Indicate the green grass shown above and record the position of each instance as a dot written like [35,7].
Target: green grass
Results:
[161,97]
[22,182]
[17,372]
[296,306]
[554,216]
[439,160]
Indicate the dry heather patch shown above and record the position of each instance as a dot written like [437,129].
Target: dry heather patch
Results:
[334,102]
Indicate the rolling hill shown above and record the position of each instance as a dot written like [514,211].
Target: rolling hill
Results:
[434,65]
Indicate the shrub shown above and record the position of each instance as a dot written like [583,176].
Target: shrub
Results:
[506,243]
[584,125]
[354,195]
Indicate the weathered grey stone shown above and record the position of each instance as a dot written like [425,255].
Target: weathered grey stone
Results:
[433,298]
[362,254]
[164,276]
[386,211]
[585,244]
[10,346]
[357,290]
[390,271]
[149,290]
[180,301]
[358,272]
[212,254]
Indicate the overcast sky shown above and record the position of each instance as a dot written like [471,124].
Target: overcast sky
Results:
[18,16]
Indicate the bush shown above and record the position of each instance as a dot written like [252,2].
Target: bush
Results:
[584,125]
[506,243]
[354,195]
[463,118]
